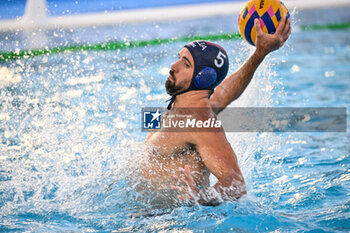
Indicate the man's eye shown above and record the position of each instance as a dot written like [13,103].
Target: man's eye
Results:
[187,65]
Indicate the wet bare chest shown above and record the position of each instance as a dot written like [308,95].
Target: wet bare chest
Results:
[171,151]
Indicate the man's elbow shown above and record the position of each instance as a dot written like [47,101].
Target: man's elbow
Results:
[232,190]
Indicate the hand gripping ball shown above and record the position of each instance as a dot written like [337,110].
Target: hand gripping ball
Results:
[269,12]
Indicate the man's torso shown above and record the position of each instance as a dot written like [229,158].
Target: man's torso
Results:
[171,150]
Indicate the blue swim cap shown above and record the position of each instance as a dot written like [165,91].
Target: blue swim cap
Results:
[210,65]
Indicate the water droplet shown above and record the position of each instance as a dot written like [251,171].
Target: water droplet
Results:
[295,69]
[163,71]
[329,74]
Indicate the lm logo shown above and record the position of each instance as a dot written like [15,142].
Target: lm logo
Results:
[151,119]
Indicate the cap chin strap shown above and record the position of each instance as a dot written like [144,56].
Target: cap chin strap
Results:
[173,98]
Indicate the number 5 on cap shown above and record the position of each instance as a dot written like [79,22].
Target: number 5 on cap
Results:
[219,60]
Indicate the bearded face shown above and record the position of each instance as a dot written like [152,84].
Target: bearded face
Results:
[180,75]
[170,84]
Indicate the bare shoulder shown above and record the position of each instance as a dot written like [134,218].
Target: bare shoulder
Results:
[208,135]
[215,138]
[149,135]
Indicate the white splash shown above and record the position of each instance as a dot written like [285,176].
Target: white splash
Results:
[85,80]
[8,77]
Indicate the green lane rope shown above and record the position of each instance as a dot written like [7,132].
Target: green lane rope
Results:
[7,56]
[337,26]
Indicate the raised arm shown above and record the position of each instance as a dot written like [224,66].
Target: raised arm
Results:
[234,85]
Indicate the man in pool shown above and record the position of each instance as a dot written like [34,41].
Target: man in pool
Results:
[183,161]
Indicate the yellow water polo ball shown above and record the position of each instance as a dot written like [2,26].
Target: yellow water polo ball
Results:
[269,13]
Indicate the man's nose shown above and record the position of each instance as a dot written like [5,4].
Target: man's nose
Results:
[174,66]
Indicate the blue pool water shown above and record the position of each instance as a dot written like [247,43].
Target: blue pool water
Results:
[70,133]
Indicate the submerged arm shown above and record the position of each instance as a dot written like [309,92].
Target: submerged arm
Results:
[220,159]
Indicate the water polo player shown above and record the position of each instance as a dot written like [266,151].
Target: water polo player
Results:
[183,161]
